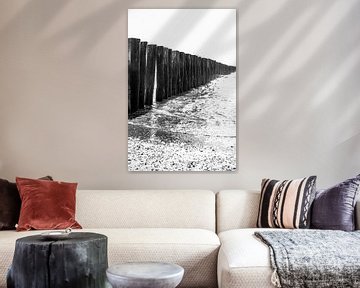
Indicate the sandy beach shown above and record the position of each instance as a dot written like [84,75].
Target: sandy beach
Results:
[195,131]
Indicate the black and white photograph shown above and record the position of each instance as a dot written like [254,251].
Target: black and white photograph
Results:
[182,89]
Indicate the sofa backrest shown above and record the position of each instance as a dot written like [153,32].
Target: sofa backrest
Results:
[146,209]
[239,209]
[236,209]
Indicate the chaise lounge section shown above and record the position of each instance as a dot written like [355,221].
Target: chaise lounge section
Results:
[244,260]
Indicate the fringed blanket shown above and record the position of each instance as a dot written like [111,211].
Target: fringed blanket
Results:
[313,258]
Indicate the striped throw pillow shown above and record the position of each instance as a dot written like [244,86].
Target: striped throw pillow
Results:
[286,204]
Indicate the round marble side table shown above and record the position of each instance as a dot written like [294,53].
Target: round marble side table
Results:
[145,275]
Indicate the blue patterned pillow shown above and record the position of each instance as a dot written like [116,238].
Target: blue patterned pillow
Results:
[334,208]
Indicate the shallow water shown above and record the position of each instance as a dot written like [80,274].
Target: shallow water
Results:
[191,132]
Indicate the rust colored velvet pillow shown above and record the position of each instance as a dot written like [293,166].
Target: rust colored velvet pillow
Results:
[46,204]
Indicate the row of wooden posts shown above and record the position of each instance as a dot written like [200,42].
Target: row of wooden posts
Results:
[176,72]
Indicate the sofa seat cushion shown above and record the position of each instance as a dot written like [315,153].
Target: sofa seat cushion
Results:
[244,261]
[194,249]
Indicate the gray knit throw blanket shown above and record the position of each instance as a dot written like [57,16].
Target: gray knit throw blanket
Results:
[313,258]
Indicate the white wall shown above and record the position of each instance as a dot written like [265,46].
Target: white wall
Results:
[63,89]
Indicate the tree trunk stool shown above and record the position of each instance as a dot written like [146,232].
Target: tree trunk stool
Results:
[145,275]
[80,261]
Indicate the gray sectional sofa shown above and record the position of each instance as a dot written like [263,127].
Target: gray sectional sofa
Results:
[210,235]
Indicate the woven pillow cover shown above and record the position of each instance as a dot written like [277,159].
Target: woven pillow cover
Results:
[286,203]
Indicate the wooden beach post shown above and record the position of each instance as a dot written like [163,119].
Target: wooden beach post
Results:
[197,71]
[150,74]
[213,69]
[193,71]
[181,72]
[187,72]
[207,71]
[175,72]
[200,72]
[142,74]
[166,72]
[170,72]
[133,74]
[203,71]
[191,76]
[178,72]
[160,85]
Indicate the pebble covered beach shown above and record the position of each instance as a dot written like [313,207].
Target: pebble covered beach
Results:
[195,131]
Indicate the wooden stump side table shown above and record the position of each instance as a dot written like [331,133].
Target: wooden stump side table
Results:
[78,261]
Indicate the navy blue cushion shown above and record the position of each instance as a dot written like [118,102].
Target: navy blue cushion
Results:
[334,208]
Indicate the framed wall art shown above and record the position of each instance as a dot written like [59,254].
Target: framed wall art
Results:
[181,89]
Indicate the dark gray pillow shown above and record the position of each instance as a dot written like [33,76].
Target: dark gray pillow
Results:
[334,208]
[10,204]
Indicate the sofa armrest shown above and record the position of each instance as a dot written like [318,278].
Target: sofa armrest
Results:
[357,215]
